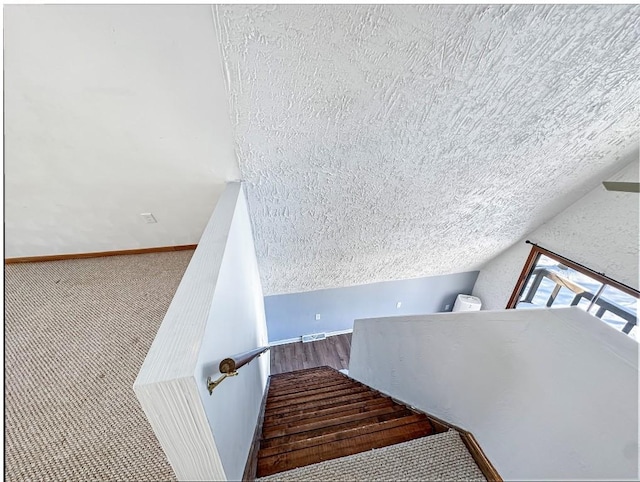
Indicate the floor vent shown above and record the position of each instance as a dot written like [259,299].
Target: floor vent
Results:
[313,337]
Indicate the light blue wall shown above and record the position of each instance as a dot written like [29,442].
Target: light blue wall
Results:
[293,315]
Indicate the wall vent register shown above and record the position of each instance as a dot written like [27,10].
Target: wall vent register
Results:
[313,337]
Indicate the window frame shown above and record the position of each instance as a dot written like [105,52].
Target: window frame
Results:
[532,260]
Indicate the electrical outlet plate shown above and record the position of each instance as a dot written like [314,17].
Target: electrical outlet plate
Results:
[148,218]
[317,316]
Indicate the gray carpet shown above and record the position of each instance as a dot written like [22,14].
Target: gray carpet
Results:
[76,334]
[437,457]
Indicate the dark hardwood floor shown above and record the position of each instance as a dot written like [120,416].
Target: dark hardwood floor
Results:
[333,351]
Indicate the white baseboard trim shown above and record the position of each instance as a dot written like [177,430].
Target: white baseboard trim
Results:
[299,338]
[286,341]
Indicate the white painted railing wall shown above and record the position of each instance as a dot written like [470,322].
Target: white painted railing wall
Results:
[548,394]
[217,311]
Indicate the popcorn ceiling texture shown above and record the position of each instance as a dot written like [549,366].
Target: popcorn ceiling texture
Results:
[390,142]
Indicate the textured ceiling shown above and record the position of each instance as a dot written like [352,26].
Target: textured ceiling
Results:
[389,142]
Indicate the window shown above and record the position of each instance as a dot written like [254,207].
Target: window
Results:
[549,280]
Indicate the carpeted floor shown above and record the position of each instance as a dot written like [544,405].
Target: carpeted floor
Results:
[437,457]
[76,333]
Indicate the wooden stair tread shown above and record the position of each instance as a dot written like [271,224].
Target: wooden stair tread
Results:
[308,381]
[342,434]
[341,448]
[349,390]
[298,384]
[319,404]
[308,384]
[320,414]
[308,391]
[354,406]
[308,426]
[301,375]
[396,412]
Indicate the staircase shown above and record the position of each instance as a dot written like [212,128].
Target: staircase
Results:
[319,414]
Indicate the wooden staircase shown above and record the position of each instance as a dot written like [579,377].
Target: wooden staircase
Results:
[320,414]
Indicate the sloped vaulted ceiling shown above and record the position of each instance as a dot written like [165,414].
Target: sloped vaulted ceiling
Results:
[387,142]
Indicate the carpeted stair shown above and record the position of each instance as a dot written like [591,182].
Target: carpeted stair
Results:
[319,414]
[442,457]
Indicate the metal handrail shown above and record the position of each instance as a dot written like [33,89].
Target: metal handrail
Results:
[229,366]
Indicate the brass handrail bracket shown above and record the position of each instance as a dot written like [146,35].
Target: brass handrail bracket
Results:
[211,385]
[229,366]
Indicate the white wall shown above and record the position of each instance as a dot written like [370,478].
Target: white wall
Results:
[112,111]
[217,311]
[236,324]
[601,231]
[548,394]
